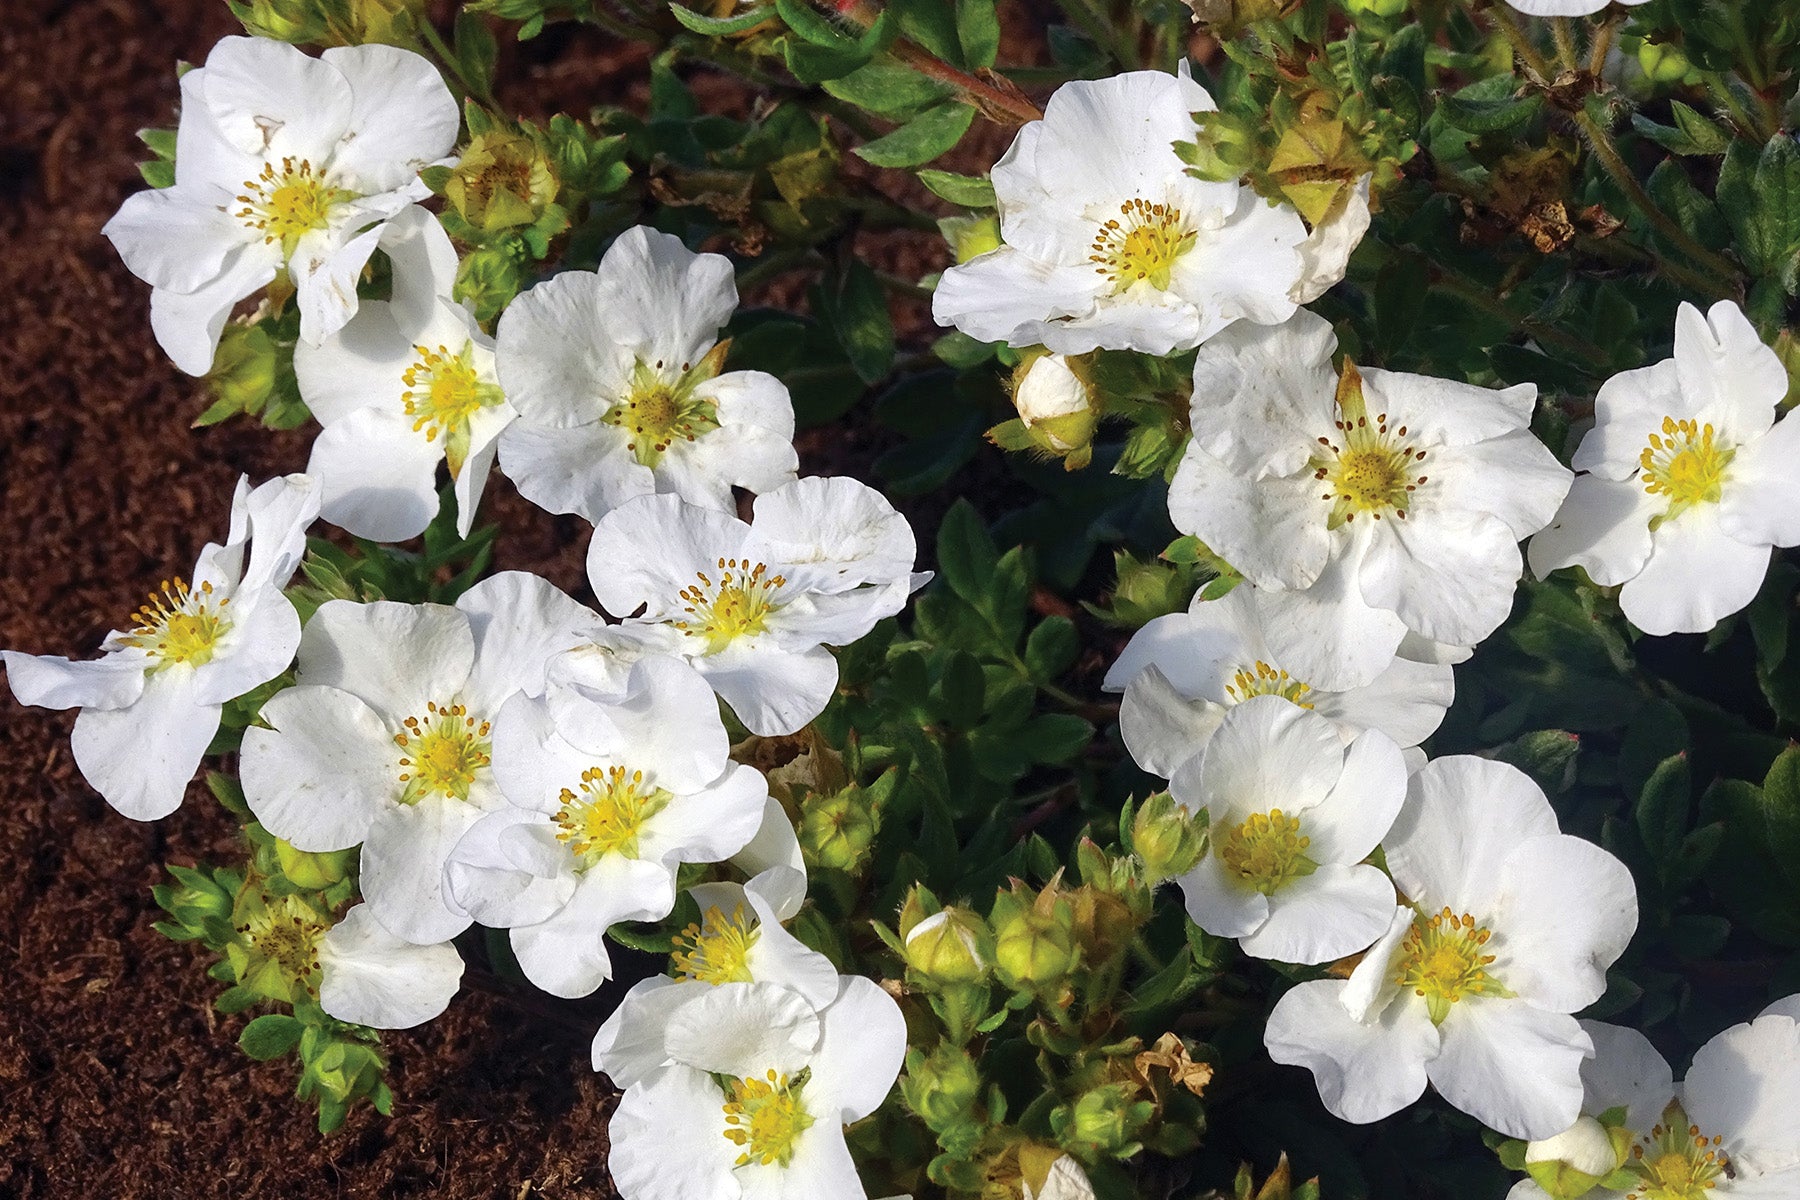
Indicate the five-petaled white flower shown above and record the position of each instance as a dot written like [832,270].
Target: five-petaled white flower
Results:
[151,704]
[740,1115]
[1370,504]
[737,944]
[1690,479]
[753,607]
[607,795]
[616,376]
[1292,812]
[1564,8]
[1511,928]
[1728,1130]
[1108,242]
[409,383]
[283,163]
[1181,673]
[388,737]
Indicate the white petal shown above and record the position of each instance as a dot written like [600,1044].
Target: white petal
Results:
[1269,753]
[141,757]
[1407,701]
[1603,527]
[630,1046]
[1334,912]
[396,658]
[821,1166]
[1245,270]
[204,157]
[1364,1072]
[1512,477]
[775,846]
[647,550]
[1564,912]
[1191,655]
[403,860]
[1696,577]
[581,469]
[1726,371]
[370,977]
[1219,904]
[270,99]
[360,366]
[264,634]
[668,724]
[1450,576]
[1325,255]
[862,1041]
[1328,634]
[743,1030]
[1161,729]
[662,300]
[555,353]
[751,399]
[1625,1072]
[187,325]
[1761,503]
[711,824]
[1007,296]
[175,238]
[402,117]
[318,776]
[112,681]
[565,955]
[424,269]
[1745,1087]
[1444,411]
[1262,394]
[519,621]
[1512,1066]
[774,692]
[667,1140]
[1788,1007]
[1628,409]
[278,514]
[831,533]
[1271,529]
[325,285]
[1357,813]
[1464,817]
[379,476]
[485,882]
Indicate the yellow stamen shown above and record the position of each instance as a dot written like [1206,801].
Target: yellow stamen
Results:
[444,391]
[1444,959]
[1264,680]
[1368,468]
[180,625]
[765,1117]
[286,205]
[717,950]
[1685,463]
[1675,1161]
[661,410]
[609,813]
[738,605]
[1267,852]
[1141,245]
[445,750]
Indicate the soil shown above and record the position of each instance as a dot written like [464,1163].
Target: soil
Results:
[117,1078]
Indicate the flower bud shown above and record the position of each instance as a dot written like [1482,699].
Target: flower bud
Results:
[1165,838]
[296,21]
[503,180]
[1109,1118]
[1034,939]
[947,947]
[1663,62]
[836,831]
[972,235]
[391,22]
[1055,403]
[243,371]
[1375,8]
[1573,1163]
[941,1088]
[489,278]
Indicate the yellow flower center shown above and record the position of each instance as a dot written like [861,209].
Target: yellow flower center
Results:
[444,750]
[738,605]
[1267,852]
[284,938]
[1372,471]
[717,950]
[765,1118]
[179,625]
[286,205]
[1140,245]
[1443,959]
[657,413]
[444,391]
[1675,1161]
[1684,463]
[1264,680]
[608,814]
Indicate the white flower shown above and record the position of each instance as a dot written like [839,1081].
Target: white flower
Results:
[1064,1181]
[608,795]
[1512,928]
[370,977]
[387,738]
[1728,1130]
[774,1130]
[616,376]
[409,383]
[751,606]
[1564,8]
[1109,242]
[1690,479]
[1292,812]
[1183,672]
[737,944]
[1371,509]
[1325,255]
[283,162]
[150,704]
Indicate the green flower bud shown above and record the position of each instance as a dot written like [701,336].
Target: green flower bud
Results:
[276,951]
[942,1088]
[836,831]
[1165,838]
[489,278]
[971,235]
[948,947]
[1375,8]
[391,22]
[503,180]
[1573,1163]
[1109,1118]
[1034,938]
[296,21]
[1663,62]
[243,371]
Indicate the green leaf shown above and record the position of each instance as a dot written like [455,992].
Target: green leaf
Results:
[966,553]
[888,88]
[158,173]
[857,313]
[1781,809]
[812,25]
[921,139]
[1692,133]
[1051,648]
[1489,106]
[978,29]
[1662,808]
[476,47]
[721,26]
[970,191]
[271,1036]
[1762,202]
[964,690]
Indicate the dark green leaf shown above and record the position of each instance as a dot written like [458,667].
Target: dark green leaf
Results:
[270,1036]
[921,139]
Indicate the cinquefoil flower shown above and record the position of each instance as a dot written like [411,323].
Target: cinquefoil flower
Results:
[617,378]
[608,795]
[150,704]
[1292,812]
[1564,8]
[1108,242]
[409,383]
[1728,1130]
[1371,505]
[753,607]
[284,163]
[1511,928]
[737,944]
[747,1122]
[388,737]
[1183,672]
[1690,479]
